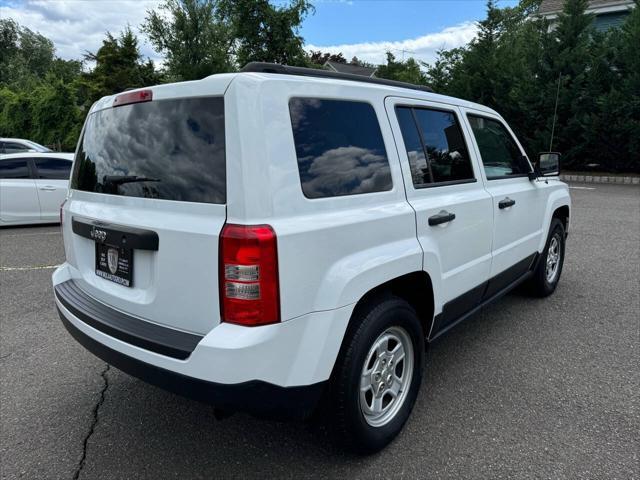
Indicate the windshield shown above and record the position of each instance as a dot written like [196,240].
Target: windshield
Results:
[165,149]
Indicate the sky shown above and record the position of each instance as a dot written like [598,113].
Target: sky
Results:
[362,28]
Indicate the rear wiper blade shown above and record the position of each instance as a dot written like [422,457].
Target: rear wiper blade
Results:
[120,179]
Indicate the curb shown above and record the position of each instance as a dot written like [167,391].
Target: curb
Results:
[600,179]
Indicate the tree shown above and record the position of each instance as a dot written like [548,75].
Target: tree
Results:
[403,71]
[16,119]
[520,90]
[8,47]
[627,62]
[37,52]
[481,59]
[513,65]
[203,37]
[25,55]
[566,62]
[262,32]
[612,125]
[57,119]
[446,70]
[37,100]
[118,66]
[320,58]
[516,63]
[47,114]
[66,70]
[194,41]
[356,61]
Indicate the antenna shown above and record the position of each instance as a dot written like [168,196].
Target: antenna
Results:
[555,111]
[405,51]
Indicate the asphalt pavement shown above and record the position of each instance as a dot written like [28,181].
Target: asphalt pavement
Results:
[529,388]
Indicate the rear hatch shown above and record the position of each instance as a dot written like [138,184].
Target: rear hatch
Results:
[146,207]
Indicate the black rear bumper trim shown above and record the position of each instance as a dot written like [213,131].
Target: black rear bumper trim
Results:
[255,397]
[117,235]
[147,335]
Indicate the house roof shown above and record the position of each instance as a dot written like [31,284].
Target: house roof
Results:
[350,68]
[549,7]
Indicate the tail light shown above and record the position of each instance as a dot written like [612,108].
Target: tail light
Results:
[249,292]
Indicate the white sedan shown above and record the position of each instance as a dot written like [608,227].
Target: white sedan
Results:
[33,186]
[19,145]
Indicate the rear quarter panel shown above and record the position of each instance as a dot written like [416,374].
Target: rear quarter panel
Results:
[331,250]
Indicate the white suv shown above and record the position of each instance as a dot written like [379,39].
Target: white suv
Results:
[280,239]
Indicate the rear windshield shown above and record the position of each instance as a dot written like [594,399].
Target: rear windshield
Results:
[163,149]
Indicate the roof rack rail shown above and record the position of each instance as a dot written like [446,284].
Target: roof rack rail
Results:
[264,67]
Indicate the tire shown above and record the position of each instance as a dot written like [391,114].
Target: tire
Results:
[544,281]
[388,323]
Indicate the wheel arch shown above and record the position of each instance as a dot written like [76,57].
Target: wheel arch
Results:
[416,288]
[562,213]
[558,206]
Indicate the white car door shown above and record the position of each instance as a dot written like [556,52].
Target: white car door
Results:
[518,203]
[52,182]
[18,197]
[454,215]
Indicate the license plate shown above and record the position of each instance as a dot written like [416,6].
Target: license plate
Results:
[115,264]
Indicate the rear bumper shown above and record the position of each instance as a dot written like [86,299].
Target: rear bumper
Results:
[256,397]
[276,370]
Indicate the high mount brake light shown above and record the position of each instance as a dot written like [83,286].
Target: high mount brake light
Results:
[249,291]
[128,98]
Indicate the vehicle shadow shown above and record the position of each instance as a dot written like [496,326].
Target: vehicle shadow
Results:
[145,429]
[4,227]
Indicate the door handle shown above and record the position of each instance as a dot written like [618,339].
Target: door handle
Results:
[48,188]
[506,203]
[440,218]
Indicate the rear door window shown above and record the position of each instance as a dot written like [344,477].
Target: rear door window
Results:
[11,147]
[17,168]
[339,147]
[420,174]
[52,168]
[163,149]
[435,146]
[37,147]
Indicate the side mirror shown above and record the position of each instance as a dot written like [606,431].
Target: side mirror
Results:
[549,164]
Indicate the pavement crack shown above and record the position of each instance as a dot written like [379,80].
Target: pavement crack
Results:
[94,422]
